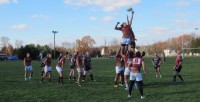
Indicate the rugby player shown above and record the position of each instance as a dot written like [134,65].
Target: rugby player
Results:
[127,59]
[119,68]
[156,61]
[79,67]
[135,74]
[28,66]
[178,67]
[72,63]
[47,68]
[88,66]
[126,30]
[60,67]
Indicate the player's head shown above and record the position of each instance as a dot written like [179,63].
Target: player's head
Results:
[27,54]
[131,53]
[178,52]
[156,54]
[124,24]
[87,54]
[138,54]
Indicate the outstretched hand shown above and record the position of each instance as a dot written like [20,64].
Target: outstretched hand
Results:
[132,12]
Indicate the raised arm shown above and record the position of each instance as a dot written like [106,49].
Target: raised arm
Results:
[131,18]
[128,20]
[117,28]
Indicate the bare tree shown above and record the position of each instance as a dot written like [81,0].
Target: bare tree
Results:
[4,41]
[18,43]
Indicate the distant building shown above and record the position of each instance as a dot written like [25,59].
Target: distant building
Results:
[169,52]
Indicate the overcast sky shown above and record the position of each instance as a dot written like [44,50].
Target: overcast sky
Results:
[33,20]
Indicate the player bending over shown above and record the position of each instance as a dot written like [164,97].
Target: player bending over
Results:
[119,68]
[126,31]
[156,61]
[47,68]
[178,67]
[136,75]
[60,67]
[28,66]
[88,66]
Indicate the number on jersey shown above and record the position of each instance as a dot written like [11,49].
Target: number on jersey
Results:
[137,61]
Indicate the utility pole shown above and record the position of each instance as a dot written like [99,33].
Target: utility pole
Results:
[54,32]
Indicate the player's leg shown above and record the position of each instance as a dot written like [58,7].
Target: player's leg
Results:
[84,75]
[31,72]
[174,76]
[122,77]
[79,76]
[49,73]
[25,74]
[126,74]
[140,84]
[91,75]
[159,71]
[179,75]
[131,83]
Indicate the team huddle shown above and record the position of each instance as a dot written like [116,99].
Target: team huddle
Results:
[80,62]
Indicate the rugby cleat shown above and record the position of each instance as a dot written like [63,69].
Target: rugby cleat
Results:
[142,97]
[129,96]
[115,86]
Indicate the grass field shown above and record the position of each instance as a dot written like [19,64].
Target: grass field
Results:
[13,88]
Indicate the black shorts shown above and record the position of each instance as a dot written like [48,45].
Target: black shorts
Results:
[72,66]
[124,45]
[178,69]
[87,68]
[156,66]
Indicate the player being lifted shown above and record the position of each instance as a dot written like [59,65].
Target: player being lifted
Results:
[28,66]
[178,67]
[119,68]
[60,67]
[156,61]
[127,32]
[47,68]
[88,66]
[136,75]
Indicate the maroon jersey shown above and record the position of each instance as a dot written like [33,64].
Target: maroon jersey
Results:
[137,62]
[27,61]
[178,59]
[61,61]
[48,61]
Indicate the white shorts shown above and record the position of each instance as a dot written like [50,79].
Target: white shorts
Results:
[80,70]
[118,69]
[59,69]
[127,71]
[136,76]
[47,69]
[29,68]
[126,41]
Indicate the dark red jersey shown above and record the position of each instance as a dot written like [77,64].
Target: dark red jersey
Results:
[178,59]
[48,61]
[137,62]
[61,61]
[27,61]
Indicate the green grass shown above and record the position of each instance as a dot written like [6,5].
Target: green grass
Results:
[13,88]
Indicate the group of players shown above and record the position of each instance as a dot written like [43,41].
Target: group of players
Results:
[129,62]
[82,63]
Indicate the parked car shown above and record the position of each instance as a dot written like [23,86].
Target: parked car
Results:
[3,57]
[12,58]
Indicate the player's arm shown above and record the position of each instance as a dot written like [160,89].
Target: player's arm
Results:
[152,61]
[77,63]
[117,28]
[160,61]
[180,63]
[128,20]
[24,62]
[131,18]
[144,67]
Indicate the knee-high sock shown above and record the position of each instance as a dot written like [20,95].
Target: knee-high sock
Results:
[180,77]
[59,79]
[174,78]
[131,86]
[139,83]
[91,76]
